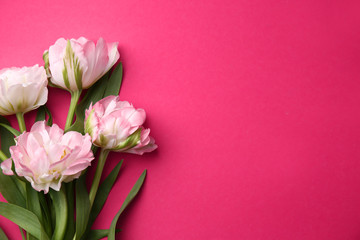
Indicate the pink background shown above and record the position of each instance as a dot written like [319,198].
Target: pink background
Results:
[254,105]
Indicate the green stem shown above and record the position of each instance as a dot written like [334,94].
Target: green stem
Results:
[3,157]
[74,100]
[61,212]
[99,169]
[21,121]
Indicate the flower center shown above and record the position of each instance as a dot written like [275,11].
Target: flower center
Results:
[63,155]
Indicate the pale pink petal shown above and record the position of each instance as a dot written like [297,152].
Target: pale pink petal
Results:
[55,132]
[38,126]
[6,167]
[78,167]
[113,55]
[99,58]
[144,149]
[136,117]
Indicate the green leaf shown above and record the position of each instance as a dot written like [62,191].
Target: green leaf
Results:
[22,233]
[114,84]
[70,230]
[101,196]
[134,191]
[32,202]
[95,93]
[10,190]
[41,115]
[97,234]
[13,131]
[7,138]
[82,207]
[24,218]
[61,212]
[45,210]
[30,237]
[3,235]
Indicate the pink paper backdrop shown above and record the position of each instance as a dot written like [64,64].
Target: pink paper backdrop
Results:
[254,106]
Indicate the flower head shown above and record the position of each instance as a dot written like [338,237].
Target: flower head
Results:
[22,89]
[46,156]
[77,64]
[116,125]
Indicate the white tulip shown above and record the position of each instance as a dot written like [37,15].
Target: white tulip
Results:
[22,89]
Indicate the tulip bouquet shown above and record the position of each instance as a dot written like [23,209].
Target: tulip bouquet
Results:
[43,171]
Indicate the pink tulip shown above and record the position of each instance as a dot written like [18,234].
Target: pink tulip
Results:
[116,125]
[22,89]
[78,64]
[46,156]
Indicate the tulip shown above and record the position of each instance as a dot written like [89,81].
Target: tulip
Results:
[46,156]
[22,89]
[77,64]
[116,125]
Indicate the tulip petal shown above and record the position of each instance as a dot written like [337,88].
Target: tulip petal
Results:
[6,167]
[99,59]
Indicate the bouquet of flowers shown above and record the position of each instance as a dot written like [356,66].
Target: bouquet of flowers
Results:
[43,171]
